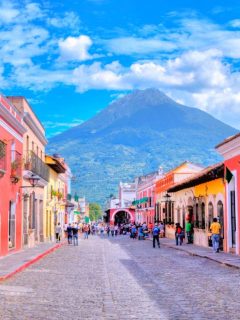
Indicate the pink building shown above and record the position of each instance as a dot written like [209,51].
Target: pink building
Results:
[230,150]
[11,149]
[145,197]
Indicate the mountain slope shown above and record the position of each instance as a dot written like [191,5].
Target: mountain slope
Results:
[133,136]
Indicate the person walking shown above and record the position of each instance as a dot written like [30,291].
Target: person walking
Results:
[116,230]
[162,228]
[102,231]
[112,230]
[215,229]
[133,234]
[86,230]
[189,232]
[108,230]
[58,232]
[155,233]
[75,234]
[179,234]
[69,233]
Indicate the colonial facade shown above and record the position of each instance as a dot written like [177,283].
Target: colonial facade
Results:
[145,197]
[120,210]
[164,201]
[230,150]
[55,195]
[35,171]
[199,199]
[11,150]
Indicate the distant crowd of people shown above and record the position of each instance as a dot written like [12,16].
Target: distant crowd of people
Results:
[138,231]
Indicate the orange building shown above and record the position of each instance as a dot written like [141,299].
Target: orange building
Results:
[164,201]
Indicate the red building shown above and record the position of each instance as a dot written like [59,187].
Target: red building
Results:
[11,149]
[230,150]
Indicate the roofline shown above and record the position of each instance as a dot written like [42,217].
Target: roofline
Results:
[22,97]
[228,140]
[186,183]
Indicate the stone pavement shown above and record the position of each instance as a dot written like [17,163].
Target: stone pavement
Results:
[121,278]
[19,260]
[228,259]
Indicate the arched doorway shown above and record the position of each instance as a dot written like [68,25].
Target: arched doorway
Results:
[122,217]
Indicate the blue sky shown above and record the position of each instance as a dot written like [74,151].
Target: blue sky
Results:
[72,58]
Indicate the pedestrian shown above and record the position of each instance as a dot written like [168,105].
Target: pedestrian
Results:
[93,230]
[162,228]
[189,232]
[75,234]
[116,230]
[69,233]
[133,234]
[58,231]
[215,229]
[155,233]
[108,230]
[85,230]
[112,230]
[140,233]
[179,234]
[102,231]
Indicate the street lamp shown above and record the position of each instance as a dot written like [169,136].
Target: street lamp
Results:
[33,180]
[167,201]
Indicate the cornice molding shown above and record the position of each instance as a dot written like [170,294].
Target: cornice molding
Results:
[230,149]
[32,125]
[12,121]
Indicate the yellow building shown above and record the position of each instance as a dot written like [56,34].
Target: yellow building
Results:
[55,195]
[199,199]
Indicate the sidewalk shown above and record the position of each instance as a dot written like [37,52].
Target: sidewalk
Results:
[226,259]
[16,262]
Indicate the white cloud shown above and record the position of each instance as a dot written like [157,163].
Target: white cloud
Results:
[75,48]
[131,45]
[190,34]
[69,20]
[235,23]
[8,12]
[198,79]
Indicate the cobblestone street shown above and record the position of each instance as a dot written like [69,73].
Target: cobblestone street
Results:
[121,278]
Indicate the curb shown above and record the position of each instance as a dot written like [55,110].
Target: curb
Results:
[227,264]
[29,263]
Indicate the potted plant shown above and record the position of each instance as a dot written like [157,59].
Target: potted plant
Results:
[14,167]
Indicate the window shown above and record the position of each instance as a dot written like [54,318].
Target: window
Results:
[11,224]
[220,216]
[2,156]
[27,143]
[178,214]
[13,148]
[210,214]
[202,217]
[196,216]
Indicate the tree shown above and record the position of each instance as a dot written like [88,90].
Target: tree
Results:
[95,211]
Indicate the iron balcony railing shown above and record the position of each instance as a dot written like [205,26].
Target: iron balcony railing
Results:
[34,164]
[3,157]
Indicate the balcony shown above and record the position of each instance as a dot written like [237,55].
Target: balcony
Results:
[16,166]
[3,158]
[34,164]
